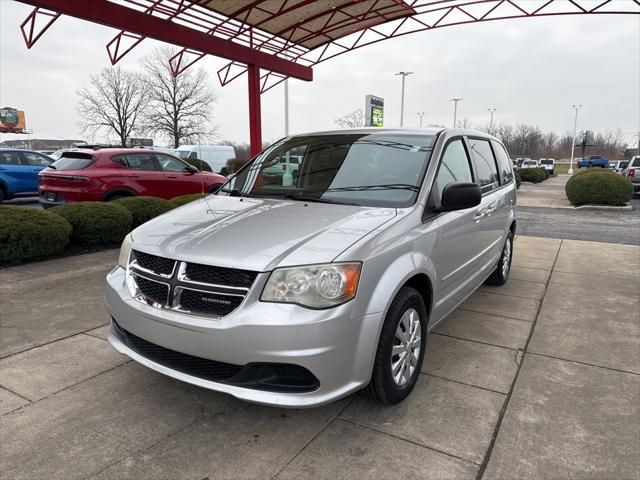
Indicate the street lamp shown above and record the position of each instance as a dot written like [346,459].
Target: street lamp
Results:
[455,109]
[573,142]
[421,114]
[286,107]
[491,111]
[404,74]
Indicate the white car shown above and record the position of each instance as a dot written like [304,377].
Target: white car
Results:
[549,164]
[216,156]
[528,163]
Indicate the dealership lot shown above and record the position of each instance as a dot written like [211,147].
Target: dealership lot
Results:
[538,379]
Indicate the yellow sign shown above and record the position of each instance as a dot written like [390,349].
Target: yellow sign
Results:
[12,120]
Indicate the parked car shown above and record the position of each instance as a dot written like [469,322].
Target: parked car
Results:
[216,156]
[593,161]
[620,166]
[519,161]
[632,172]
[298,295]
[19,172]
[549,164]
[528,163]
[107,174]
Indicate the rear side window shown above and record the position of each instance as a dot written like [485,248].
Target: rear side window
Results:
[74,161]
[454,166]
[141,161]
[636,162]
[506,167]
[484,164]
[9,158]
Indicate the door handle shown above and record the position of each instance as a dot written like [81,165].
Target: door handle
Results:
[171,176]
[479,214]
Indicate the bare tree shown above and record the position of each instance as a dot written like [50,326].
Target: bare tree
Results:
[464,123]
[113,103]
[179,107]
[354,119]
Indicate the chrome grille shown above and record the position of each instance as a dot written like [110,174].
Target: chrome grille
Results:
[188,287]
[155,291]
[232,277]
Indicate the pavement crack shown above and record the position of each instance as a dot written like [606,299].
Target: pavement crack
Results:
[503,411]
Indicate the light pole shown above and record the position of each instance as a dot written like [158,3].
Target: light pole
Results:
[421,114]
[404,75]
[491,111]
[573,142]
[455,109]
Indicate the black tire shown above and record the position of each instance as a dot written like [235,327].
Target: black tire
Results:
[117,195]
[215,188]
[382,388]
[2,194]
[224,171]
[500,275]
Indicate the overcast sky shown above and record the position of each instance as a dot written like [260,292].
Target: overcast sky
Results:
[530,70]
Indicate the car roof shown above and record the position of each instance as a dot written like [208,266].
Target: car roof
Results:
[10,149]
[400,131]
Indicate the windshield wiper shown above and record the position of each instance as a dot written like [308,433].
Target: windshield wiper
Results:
[386,186]
[310,198]
[234,192]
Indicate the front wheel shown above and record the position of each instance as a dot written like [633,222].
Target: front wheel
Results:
[501,274]
[400,349]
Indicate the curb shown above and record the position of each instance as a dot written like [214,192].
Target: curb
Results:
[607,208]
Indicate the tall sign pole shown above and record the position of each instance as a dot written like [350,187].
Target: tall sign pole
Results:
[573,143]
[404,75]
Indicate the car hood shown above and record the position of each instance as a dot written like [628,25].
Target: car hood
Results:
[257,233]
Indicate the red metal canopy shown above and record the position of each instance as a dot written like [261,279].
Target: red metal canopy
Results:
[285,38]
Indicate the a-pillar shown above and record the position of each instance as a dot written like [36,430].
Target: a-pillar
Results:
[255,118]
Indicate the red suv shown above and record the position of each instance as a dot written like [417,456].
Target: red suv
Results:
[104,175]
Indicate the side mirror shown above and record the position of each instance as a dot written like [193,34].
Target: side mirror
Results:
[460,195]
[191,169]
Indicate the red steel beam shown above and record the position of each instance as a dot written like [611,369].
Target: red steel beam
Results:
[124,18]
[255,115]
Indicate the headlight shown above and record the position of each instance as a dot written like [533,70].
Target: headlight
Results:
[125,251]
[315,286]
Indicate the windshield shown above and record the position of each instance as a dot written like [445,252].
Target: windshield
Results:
[73,161]
[365,169]
[546,162]
[183,153]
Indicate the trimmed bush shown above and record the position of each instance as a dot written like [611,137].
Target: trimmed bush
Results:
[184,199]
[518,179]
[199,164]
[534,175]
[144,209]
[600,187]
[95,223]
[27,233]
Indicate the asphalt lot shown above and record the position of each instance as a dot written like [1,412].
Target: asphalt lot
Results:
[536,379]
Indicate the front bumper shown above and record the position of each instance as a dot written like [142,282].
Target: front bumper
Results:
[337,349]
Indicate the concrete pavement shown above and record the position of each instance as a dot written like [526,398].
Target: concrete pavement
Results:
[536,379]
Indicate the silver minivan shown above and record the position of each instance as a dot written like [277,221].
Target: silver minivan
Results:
[298,293]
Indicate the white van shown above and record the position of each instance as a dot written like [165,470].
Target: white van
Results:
[215,156]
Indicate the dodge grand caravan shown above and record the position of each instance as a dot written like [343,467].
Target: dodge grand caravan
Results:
[299,293]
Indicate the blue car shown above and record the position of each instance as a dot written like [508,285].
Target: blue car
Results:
[19,172]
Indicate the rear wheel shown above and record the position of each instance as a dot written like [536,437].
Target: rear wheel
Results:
[2,194]
[116,195]
[400,349]
[501,273]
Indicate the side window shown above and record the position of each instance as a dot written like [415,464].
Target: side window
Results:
[193,155]
[506,167]
[9,158]
[141,161]
[36,160]
[454,166]
[170,164]
[484,164]
[120,160]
